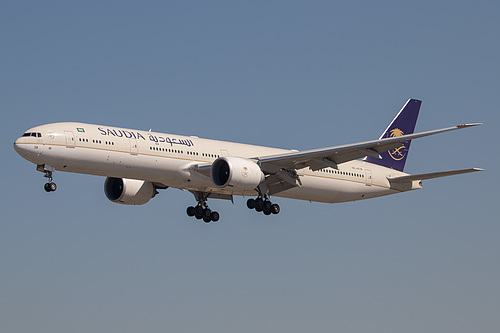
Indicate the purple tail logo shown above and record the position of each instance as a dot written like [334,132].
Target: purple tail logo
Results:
[398,153]
[403,123]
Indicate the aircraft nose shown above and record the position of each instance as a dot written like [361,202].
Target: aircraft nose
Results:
[17,146]
[21,147]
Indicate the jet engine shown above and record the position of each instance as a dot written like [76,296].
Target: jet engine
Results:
[239,173]
[128,191]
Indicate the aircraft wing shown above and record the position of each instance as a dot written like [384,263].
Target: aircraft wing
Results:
[332,156]
[282,168]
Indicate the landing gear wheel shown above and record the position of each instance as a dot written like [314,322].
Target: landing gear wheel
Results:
[214,216]
[206,213]
[190,211]
[50,187]
[259,204]
[275,209]
[267,206]
[251,203]
[198,210]
[207,219]
[267,212]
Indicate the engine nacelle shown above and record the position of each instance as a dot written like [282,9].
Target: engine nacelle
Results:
[128,191]
[239,173]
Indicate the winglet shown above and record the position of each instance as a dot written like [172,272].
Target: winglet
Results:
[468,125]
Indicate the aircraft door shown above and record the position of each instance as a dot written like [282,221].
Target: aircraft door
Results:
[368,177]
[70,139]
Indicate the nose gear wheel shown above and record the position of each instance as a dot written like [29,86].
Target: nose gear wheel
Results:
[50,186]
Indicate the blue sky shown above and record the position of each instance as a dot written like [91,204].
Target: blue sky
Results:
[287,74]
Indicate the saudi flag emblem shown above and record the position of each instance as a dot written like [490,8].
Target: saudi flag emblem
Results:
[81,130]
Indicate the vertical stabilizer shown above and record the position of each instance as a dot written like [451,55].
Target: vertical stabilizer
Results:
[403,123]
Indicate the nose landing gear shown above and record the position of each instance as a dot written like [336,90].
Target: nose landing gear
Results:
[50,186]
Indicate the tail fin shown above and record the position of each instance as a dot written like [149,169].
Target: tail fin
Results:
[404,123]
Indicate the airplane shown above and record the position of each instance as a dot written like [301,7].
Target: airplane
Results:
[138,163]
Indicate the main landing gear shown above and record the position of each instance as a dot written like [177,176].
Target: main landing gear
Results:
[263,205]
[201,210]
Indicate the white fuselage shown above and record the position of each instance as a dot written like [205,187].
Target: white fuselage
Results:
[169,159]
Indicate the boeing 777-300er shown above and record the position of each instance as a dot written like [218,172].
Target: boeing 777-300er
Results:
[138,163]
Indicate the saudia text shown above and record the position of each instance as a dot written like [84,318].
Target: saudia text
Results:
[151,137]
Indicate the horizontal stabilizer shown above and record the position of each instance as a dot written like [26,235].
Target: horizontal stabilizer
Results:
[432,175]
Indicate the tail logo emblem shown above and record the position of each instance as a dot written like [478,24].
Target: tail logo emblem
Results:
[397,153]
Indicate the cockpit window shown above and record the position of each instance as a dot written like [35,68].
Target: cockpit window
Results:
[34,134]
